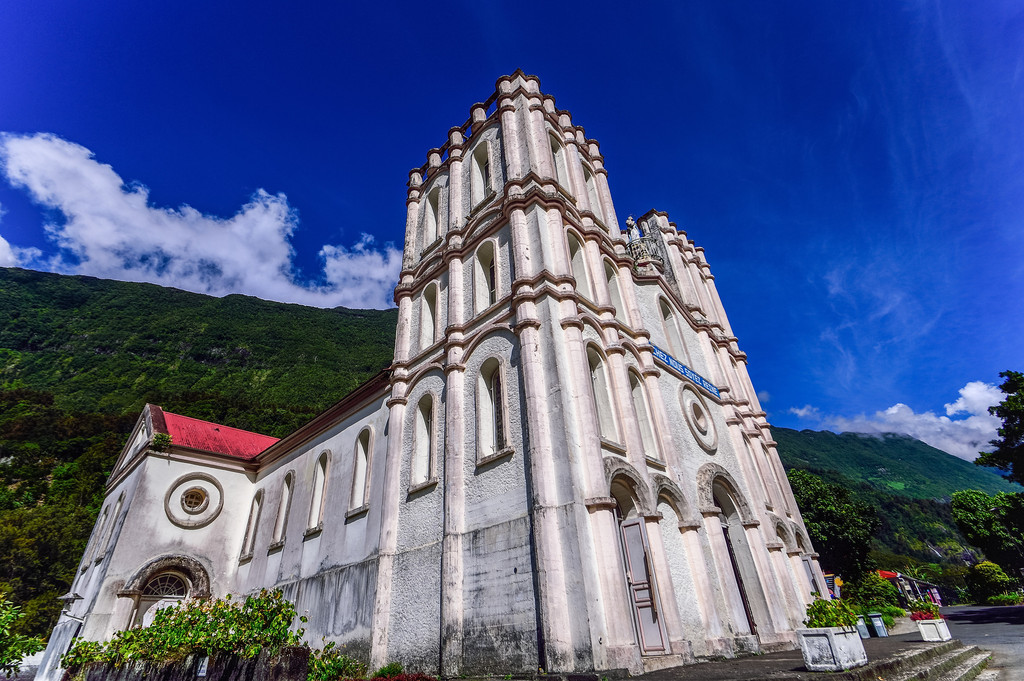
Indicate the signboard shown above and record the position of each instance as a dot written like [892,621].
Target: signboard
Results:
[680,368]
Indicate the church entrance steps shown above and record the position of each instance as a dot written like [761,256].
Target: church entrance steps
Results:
[897,658]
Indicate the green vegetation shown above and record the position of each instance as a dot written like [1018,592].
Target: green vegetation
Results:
[987,580]
[261,622]
[80,357]
[840,526]
[200,626]
[995,524]
[1008,449]
[916,535]
[894,464]
[14,647]
[830,613]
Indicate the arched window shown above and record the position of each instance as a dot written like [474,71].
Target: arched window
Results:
[481,174]
[491,409]
[577,257]
[111,525]
[283,508]
[643,415]
[558,155]
[485,275]
[166,586]
[428,317]
[249,541]
[361,471]
[613,290]
[316,504]
[595,202]
[672,334]
[424,443]
[93,550]
[602,396]
[432,218]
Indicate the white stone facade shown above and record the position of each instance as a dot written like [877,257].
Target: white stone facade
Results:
[537,482]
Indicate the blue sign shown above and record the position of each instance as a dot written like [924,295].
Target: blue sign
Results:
[684,370]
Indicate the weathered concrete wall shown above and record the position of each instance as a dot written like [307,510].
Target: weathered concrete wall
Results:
[292,664]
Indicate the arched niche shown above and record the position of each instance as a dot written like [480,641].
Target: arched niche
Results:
[627,487]
[711,474]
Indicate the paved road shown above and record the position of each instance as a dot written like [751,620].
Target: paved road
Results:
[999,629]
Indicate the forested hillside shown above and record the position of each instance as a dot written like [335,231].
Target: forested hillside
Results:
[906,483]
[892,463]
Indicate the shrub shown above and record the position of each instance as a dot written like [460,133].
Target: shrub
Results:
[389,671]
[872,591]
[330,664]
[986,579]
[1004,599]
[207,626]
[13,647]
[832,613]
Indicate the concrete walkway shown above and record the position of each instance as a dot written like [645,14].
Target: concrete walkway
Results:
[789,665]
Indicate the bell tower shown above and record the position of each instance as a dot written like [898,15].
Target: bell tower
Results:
[560,388]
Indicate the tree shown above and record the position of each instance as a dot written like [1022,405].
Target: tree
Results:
[995,524]
[13,647]
[1008,455]
[840,526]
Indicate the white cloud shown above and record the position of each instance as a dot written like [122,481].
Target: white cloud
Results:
[764,396]
[12,256]
[110,230]
[806,412]
[961,437]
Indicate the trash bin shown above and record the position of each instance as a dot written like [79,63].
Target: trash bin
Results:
[878,624]
[862,628]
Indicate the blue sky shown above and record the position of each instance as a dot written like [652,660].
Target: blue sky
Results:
[855,171]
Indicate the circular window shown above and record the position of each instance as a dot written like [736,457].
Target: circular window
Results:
[698,418]
[195,500]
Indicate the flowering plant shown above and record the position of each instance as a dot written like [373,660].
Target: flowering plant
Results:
[924,610]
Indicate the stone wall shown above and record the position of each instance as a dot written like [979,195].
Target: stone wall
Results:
[292,664]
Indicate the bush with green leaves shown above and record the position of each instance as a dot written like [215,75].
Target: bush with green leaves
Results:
[210,626]
[389,671]
[330,664]
[14,647]
[1005,599]
[986,579]
[872,591]
[829,613]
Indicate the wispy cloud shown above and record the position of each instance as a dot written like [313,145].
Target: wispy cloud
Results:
[962,437]
[109,229]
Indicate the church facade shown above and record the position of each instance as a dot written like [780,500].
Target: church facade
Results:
[565,468]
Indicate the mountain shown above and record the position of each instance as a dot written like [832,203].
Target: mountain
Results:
[110,346]
[893,463]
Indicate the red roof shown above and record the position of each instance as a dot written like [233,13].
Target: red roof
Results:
[209,437]
[887,575]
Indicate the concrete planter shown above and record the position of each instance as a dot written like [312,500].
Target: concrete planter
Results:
[934,630]
[831,649]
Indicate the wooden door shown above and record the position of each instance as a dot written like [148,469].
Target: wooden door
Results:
[643,591]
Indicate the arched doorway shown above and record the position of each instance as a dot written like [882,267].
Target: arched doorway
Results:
[161,582]
[637,564]
[732,529]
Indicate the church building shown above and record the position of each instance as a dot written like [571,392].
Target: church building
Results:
[565,468]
